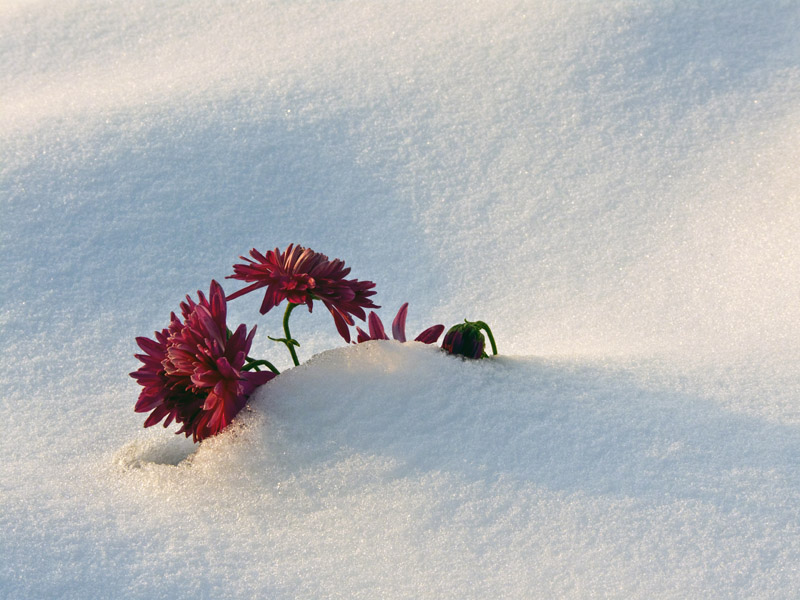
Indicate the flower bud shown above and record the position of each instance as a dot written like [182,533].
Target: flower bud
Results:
[465,339]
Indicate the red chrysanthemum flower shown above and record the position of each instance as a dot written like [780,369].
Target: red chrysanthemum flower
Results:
[301,276]
[376,331]
[192,372]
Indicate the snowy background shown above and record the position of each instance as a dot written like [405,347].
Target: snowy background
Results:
[613,186]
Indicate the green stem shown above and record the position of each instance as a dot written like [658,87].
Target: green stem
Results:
[254,364]
[488,331]
[290,343]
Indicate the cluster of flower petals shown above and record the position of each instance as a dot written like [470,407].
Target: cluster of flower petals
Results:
[377,332]
[192,373]
[301,275]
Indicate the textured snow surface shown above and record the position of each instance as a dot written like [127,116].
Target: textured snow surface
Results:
[613,186]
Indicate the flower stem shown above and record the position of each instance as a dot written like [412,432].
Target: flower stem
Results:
[488,331]
[290,343]
[254,364]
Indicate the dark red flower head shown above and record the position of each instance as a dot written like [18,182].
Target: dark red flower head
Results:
[464,339]
[192,372]
[301,276]
[376,331]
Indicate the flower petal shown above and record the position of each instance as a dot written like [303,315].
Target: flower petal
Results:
[430,335]
[341,325]
[399,324]
[376,331]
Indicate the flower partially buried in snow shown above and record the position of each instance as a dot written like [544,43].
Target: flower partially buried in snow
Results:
[194,373]
[301,276]
[376,331]
[466,339]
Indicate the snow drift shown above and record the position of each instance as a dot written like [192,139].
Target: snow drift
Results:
[612,186]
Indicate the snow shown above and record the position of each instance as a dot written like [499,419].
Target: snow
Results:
[612,186]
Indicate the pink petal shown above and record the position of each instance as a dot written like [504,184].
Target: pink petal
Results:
[399,324]
[341,325]
[430,335]
[376,331]
[363,336]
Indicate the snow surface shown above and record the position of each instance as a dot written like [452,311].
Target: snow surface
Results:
[613,186]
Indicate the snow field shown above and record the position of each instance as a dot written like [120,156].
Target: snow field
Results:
[613,186]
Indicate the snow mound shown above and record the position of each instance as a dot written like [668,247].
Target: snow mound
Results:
[395,470]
